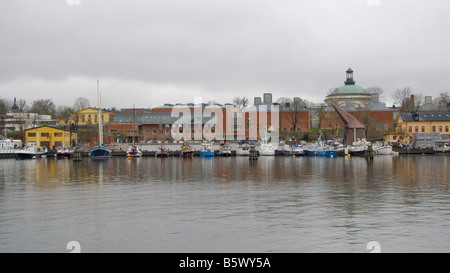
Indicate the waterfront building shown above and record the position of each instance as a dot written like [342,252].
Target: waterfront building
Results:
[50,137]
[89,116]
[19,121]
[409,123]
[376,116]
[294,116]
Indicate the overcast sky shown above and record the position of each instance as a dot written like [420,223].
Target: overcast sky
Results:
[151,52]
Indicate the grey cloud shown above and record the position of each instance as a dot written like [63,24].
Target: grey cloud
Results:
[224,48]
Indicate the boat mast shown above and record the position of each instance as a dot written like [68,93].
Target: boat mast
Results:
[100,131]
[133,127]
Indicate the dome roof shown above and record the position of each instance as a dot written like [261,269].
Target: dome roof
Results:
[350,89]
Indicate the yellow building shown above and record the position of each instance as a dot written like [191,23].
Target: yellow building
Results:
[47,136]
[88,116]
[422,122]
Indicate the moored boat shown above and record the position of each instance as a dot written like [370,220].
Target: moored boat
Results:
[134,151]
[186,150]
[266,148]
[161,152]
[102,150]
[31,151]
[243,149]
[7,149]
[225,149]
[65,152]
[206,149]
[383,150]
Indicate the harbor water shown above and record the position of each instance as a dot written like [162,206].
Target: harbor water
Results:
[274,204]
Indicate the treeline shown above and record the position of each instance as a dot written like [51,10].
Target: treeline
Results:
[42,107]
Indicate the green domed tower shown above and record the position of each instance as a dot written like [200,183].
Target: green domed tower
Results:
[349,94]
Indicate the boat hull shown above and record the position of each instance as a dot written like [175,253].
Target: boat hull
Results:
[163,154]
[383,151]
[186,154]
[357,152]
[100,153]
[206,154]
[322,153]
[21,155]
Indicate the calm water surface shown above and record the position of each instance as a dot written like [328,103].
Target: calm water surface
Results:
[277,204]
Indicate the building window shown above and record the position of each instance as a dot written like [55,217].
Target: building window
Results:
[440,129]
[434,129]
[167,132]
[83,118]
[45,135]
[417,129]
[31,134]
[446,129]
[394,137]
[58,134]
[423,129]
[154,132]
[45,144]
[410,129]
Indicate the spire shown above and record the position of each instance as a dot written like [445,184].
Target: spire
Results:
[14,108]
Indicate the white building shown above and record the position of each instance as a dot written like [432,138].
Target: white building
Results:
[15,121]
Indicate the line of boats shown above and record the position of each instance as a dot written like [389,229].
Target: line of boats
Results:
[244,148]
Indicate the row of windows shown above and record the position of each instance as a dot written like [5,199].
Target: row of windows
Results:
[45,134]
[433,129]
[89,118]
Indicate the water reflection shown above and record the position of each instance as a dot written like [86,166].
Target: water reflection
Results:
[406,172]
[226,204]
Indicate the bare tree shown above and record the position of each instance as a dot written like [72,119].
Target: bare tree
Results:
[43,107]
[64,112]
[80,104]
[375,90]
[241,102]
[22,105]
[443,101]
[404,97]
[292,110]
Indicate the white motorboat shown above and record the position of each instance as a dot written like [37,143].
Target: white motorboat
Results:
[383,150]
[7,149]
[243,149]
[266,148]
[134,151]
[31,151]
[65,152]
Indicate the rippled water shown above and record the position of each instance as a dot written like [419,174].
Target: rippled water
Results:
[277,204]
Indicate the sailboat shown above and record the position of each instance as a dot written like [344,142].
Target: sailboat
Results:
[134,151]
[101,151]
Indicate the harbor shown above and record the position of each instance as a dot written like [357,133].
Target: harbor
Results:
[220,204]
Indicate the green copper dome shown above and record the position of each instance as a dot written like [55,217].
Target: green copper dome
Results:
[350,89]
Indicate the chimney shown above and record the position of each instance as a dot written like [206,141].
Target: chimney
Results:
[267,97]
[413,107]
